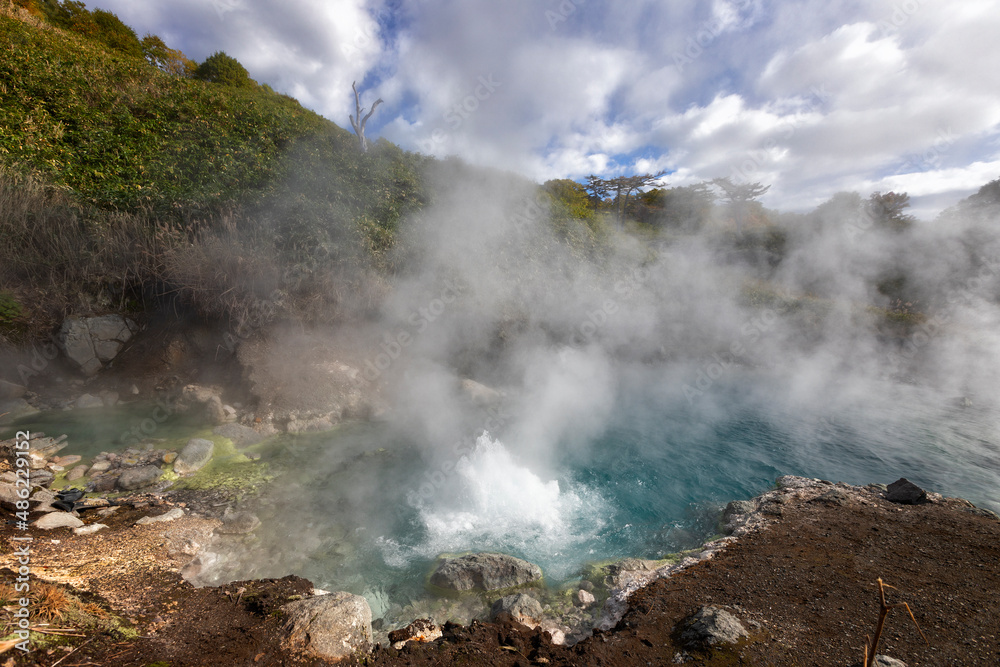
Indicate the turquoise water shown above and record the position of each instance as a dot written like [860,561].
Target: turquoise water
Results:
[359,511]
[94,430]
[368,509]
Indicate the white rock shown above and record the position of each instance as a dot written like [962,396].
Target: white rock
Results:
[87,530]
[175,513]
[58,520]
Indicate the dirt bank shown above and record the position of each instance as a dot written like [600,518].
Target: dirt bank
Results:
[804,586]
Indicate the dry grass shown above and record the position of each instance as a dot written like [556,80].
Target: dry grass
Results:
[50,602]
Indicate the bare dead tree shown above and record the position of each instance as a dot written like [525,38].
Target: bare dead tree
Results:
[359,123]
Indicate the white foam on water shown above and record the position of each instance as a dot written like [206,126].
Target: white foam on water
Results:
[492,502]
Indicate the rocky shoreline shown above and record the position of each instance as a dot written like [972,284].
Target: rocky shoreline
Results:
[160,510]
[151,534]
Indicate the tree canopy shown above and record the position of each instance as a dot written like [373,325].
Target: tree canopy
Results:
[223,69]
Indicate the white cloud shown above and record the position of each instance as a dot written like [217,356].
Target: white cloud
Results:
[812,96]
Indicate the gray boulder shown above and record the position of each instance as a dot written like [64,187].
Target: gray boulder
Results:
[521,608]
[710,626]
[484,571]
[12,409]
[905,492]
[138,477]
[91,342]
[11,390]
[480,394]
[196,453]
[76,473]
[88,401]
[329,627]
[242,436]
[100,466]
[238,523]
[102,483]
[9,495]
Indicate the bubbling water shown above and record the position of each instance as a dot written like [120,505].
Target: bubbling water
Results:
[493,502]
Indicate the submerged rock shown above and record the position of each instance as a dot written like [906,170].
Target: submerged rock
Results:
[329,627]
[196,453]
[484,571]
[242,436]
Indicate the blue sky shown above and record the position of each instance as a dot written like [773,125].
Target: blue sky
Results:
[810,96]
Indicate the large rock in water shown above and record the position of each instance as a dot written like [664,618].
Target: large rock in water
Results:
[196,453]
[242,436]
[329,627]
[484,571]
[91,342]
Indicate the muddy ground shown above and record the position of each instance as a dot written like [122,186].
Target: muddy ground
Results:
[805,588]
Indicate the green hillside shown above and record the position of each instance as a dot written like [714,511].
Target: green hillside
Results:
[125,177]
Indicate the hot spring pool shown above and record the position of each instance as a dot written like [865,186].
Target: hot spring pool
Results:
[365,509]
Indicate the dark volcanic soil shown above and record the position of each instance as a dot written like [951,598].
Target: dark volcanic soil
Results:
[805,587]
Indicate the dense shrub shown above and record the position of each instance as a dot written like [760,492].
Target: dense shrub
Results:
[223,69]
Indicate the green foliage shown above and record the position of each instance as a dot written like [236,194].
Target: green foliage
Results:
[10,309]
[169,60]
[680,209]
[115,34]
[572,195]
[887,210]
[127,135]
[225,70]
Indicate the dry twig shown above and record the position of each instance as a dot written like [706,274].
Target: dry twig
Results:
[884,609]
